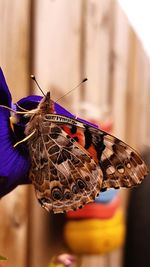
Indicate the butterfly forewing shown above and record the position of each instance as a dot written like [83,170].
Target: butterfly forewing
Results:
[122,166]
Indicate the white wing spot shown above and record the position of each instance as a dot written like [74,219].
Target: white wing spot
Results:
[128,165]
[110,170]
[121,170]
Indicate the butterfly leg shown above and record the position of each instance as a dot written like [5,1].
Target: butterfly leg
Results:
[23,109]
[25,139]
[19,112]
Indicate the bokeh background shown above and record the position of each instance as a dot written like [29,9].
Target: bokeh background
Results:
[61,42]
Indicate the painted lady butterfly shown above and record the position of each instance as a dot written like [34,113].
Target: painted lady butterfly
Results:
[73,161]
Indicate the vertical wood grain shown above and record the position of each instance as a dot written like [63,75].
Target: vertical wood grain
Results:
[132,90]
[57,47]
[97,58]
[140,105]
[14,60]
[94,261]
[57,68]
[120,65]
[13,225]
[143,125]
[15,44]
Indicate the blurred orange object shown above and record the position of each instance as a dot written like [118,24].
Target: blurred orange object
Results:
[96,210]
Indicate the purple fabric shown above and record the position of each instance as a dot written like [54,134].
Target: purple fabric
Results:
[5,96]
[14,162]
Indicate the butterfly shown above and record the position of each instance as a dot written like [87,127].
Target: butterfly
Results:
[72,162]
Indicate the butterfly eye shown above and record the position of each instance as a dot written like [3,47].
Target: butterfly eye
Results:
[81,184]
[57,194]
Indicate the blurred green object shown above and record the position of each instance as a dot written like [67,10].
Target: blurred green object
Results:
[2,258]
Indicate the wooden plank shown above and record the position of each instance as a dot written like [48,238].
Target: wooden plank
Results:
[57,47]
[14,49]
[13,225]
[144,108]
[39,250]
[142,131]
[94,261]
[120,65]
[115,258]
[137,94]
[98,64]
[97,58]
[132,90]
[15,44]
[137,85]
[57,68]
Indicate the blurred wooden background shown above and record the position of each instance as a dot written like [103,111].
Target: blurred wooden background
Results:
[61,42]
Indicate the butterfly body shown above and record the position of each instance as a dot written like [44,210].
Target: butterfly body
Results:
[71,162]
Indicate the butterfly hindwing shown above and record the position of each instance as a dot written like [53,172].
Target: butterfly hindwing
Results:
[64,174]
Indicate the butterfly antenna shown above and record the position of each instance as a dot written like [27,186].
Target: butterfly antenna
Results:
[84,80]
[35,80]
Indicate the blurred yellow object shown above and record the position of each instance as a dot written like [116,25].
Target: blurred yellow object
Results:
[52,264]
[95,236]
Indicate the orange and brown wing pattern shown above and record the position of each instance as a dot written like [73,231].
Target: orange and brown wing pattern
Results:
[121,165]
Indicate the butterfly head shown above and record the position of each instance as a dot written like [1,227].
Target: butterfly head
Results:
[46,105]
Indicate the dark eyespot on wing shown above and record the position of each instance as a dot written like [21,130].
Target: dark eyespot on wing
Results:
[57,194]
[75,189]
[68,195]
